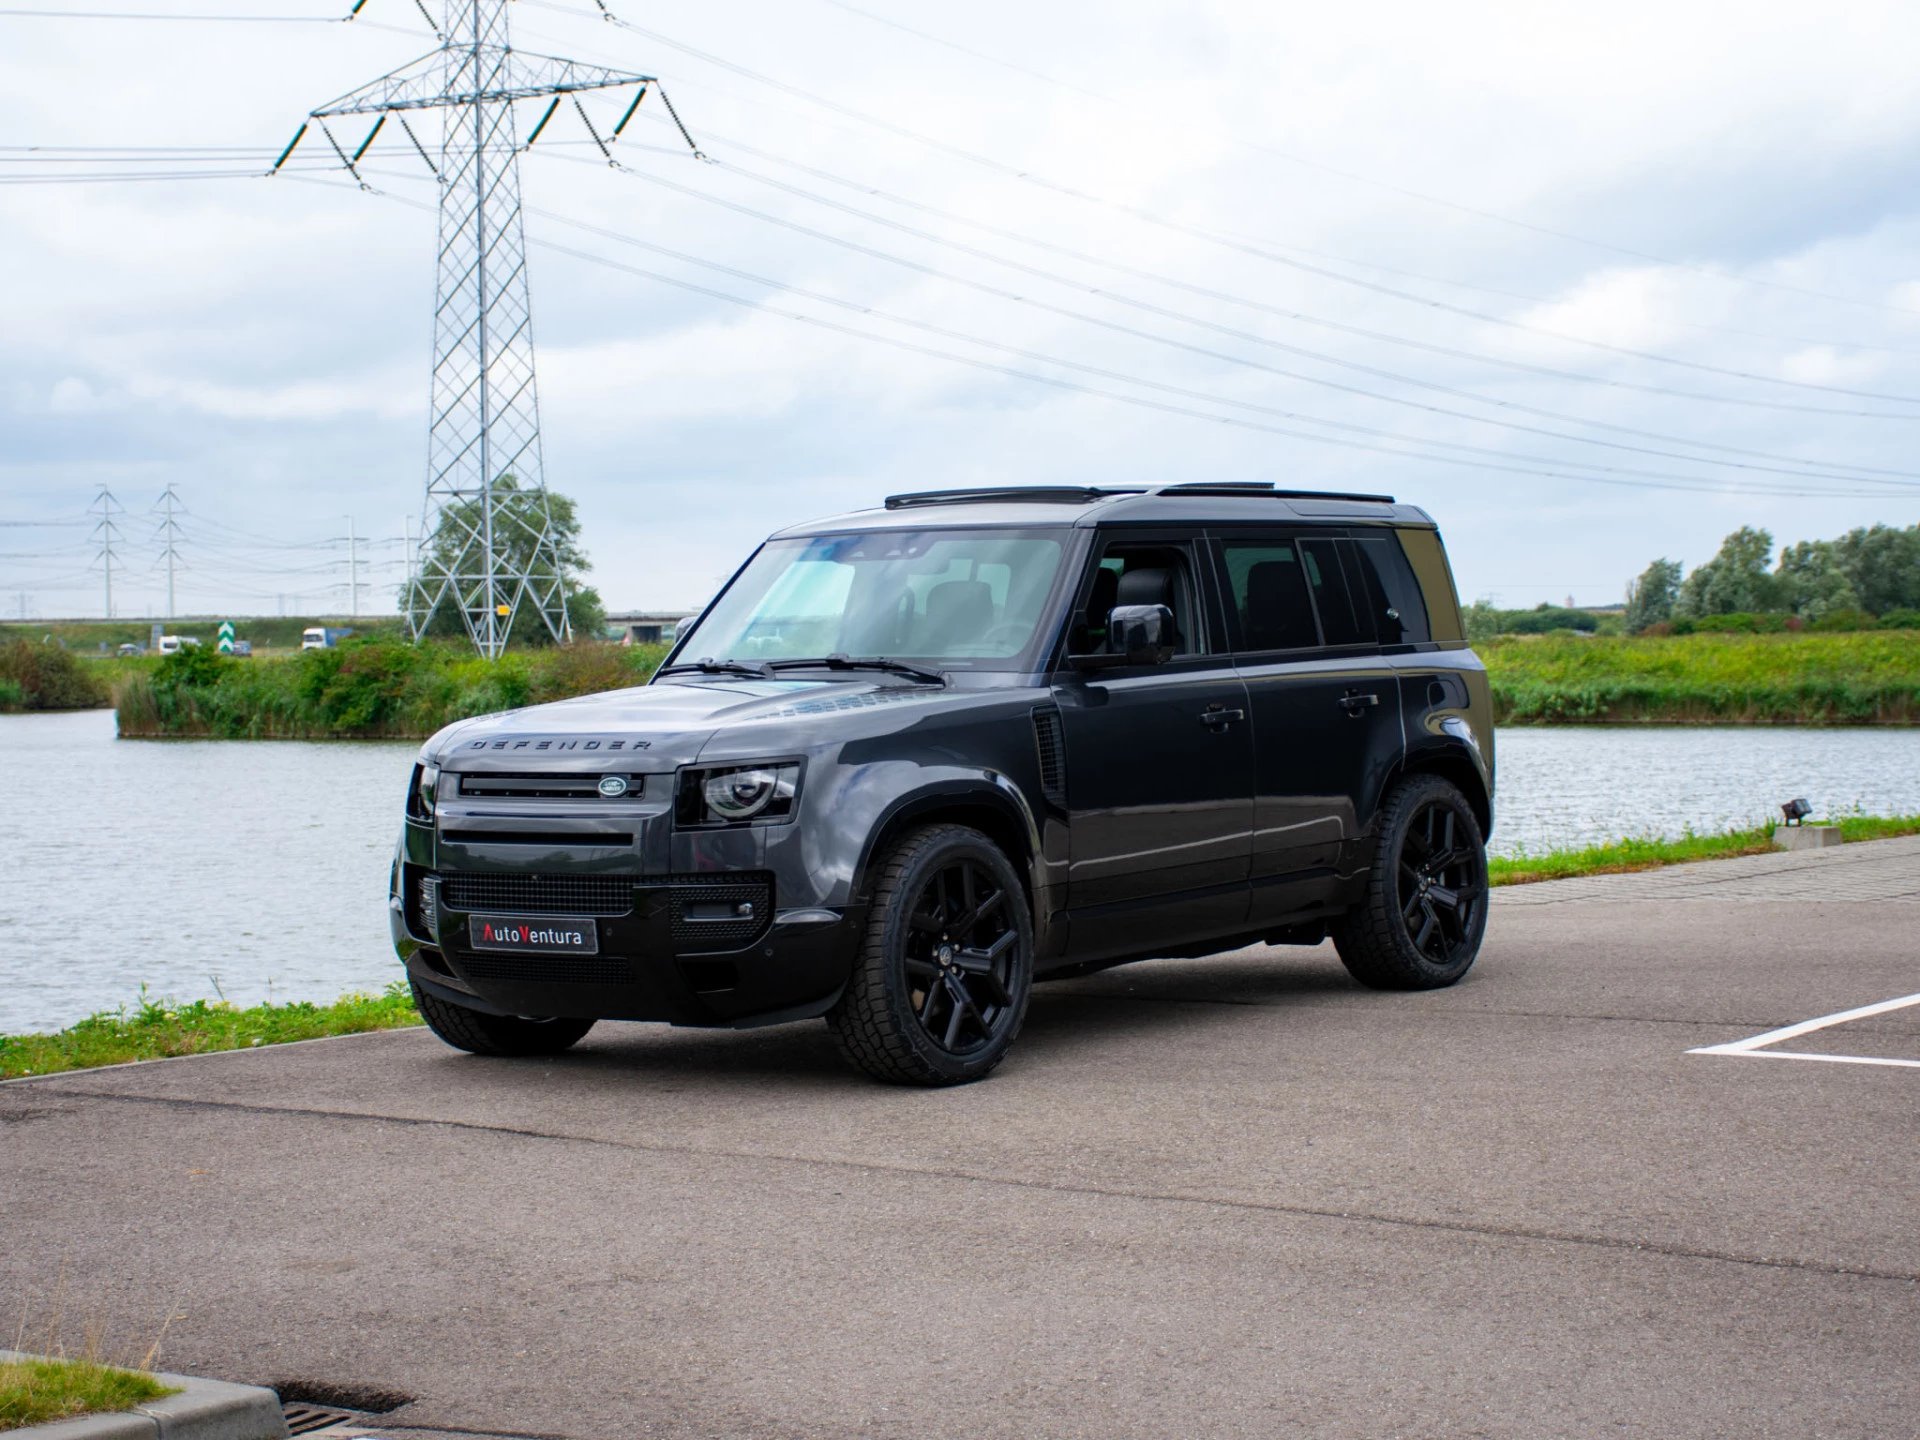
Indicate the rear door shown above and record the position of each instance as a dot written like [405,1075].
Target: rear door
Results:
[1159,759]
[1325,704]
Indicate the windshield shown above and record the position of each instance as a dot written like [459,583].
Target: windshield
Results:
[962,598]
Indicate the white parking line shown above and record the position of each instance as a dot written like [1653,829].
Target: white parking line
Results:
[1753,1044]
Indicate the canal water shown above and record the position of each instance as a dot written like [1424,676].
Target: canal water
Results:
[258,869]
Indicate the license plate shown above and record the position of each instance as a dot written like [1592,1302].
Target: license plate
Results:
[534,934]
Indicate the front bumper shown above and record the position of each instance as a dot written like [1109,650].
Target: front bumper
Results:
[673,948]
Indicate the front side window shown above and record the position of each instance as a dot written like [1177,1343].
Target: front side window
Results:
[963,598]
[1140,573]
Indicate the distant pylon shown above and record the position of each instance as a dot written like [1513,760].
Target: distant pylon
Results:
[486,541]
[169,504]
[106,534]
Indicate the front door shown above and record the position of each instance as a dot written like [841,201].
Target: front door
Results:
[1159,763]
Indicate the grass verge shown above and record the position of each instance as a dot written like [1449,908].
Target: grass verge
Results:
[1619,857]
[1806,679]
[35,1391]
[155,1029]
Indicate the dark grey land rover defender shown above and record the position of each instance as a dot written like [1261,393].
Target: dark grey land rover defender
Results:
[911,760]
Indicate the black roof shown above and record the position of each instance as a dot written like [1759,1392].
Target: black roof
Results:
[1207,502]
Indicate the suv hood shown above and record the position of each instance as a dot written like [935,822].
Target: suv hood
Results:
[661,725]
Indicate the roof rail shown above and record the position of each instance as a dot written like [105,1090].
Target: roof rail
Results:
[1032,494]
[1265,488]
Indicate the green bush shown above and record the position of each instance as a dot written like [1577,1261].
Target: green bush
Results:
[1900,620]
[379,687]
[1836,622]
[45,677]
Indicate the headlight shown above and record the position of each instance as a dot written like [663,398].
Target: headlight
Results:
[738,794]
[426,788]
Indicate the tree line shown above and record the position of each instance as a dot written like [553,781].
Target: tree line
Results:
[1867,576]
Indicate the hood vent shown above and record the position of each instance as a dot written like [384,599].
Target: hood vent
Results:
[1053,756]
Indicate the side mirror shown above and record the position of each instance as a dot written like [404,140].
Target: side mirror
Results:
[1140,634]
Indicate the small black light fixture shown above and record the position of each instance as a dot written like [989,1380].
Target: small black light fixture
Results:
[1796,811]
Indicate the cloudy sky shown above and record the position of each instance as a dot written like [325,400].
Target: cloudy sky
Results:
[1592,284]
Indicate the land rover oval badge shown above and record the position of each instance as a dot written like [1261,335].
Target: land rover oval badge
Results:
[612,785]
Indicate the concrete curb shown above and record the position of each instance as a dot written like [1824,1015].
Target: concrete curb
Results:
[203,1410]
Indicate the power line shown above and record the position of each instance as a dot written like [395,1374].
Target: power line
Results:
[158,15]
[1214,237]
[1209,353]
[1282,312]
[1497,460]
[1479,212]
[927,327]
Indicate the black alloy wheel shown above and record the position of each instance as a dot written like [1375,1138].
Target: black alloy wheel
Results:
[940,986]
[959,957]
[1442,884]
[1424,913]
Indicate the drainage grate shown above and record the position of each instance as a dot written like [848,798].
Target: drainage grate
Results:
[305,1419]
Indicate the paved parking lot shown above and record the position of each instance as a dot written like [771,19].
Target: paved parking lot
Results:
[1226,1197]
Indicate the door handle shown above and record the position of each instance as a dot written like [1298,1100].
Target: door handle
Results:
[1218,717]
[1353,702]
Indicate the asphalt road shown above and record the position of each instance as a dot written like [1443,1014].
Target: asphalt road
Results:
[1236,1196]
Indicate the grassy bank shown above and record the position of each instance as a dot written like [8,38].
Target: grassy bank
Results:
[36,1391]
[1806,679]
[265,633]
[381,687]
[157,1029]
[363,689]
[1618,857]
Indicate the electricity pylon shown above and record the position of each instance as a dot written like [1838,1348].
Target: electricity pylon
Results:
[106,535]
[169,533]
[486,488]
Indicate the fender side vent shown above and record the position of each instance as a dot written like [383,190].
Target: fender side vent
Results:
[1053,756]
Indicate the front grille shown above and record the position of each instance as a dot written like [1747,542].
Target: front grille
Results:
[537,894]
[546,969]
[1053,755]
[545,787]
[707,910]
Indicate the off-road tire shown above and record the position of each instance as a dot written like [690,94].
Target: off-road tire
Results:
[875,1021]
[1376,938]
[484,1034]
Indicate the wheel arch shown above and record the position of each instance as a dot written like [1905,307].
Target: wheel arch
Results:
[1453,763]
[990,806]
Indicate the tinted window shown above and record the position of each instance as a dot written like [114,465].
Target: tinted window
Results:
[1269,588]
[1141,574]
[1389,590]
[1340,622]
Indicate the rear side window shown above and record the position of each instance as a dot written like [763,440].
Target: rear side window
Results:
[1268,583]
[1387,589]
[1340,620]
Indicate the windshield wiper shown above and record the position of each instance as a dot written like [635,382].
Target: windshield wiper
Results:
[862,662]
[706,665]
